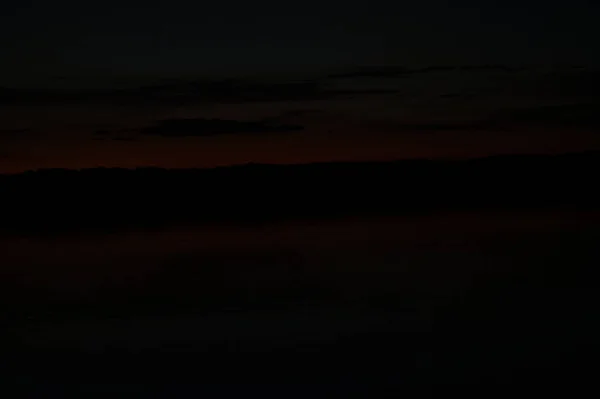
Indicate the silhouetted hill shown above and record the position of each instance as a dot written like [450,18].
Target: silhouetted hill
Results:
[58,199]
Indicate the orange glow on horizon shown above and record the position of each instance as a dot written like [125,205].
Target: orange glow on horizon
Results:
[303,147]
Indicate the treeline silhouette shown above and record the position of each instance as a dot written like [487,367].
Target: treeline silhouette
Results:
[53,200]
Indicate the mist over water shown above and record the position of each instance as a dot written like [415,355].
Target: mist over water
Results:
[468,293]
[343,257]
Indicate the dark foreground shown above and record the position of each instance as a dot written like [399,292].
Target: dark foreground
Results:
[383,308]
[53,201]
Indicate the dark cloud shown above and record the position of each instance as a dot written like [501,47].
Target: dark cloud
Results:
[496,79]
[114,133]
[452,95]
[178,92]
[499,68]
[573,83]
[185,92]
[13,96]
[348,93]
[224,91]
[400,71]
[239,91]
[442,127]
[576,116]
[14,132]
[291,115]
[213,127]
[568,115]
[17,135]
[379,72]
[401,127]
[299,112]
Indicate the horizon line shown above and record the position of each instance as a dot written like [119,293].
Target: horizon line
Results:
[318,163]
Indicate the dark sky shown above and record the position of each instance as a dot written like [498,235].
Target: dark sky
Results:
[300,90]
[174,38]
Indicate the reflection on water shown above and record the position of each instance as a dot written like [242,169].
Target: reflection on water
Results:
[441,297]
[342,257]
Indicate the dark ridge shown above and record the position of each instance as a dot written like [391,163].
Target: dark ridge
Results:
[52,200]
